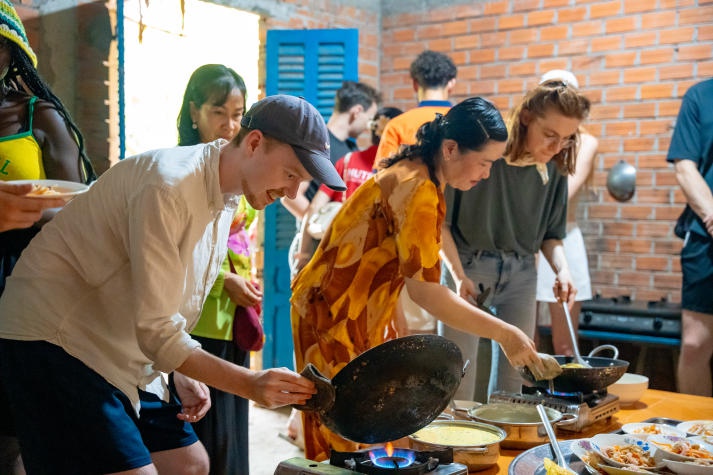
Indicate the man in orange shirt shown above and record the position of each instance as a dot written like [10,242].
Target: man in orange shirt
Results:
[434,77]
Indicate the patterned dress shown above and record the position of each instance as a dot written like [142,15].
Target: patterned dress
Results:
[343,301]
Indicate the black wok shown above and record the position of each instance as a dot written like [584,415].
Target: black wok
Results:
[604,371]
[389,391]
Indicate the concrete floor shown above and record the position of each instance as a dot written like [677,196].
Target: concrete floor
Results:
[267,448]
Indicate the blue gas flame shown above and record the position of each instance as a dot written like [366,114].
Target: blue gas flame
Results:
[401,458]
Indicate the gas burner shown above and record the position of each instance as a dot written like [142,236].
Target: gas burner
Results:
[620,300]
[590,399]
[596,407]
[302,466]
[663,303]
[402,461]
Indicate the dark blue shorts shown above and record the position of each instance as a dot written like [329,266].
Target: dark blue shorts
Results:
[71,420]
[697,269]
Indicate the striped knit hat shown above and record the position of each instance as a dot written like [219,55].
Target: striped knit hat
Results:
[11,28]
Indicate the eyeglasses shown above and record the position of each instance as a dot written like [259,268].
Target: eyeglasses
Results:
[564,143]
[552,138]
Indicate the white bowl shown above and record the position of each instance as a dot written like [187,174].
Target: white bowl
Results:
[688,468]
[706,439]
[601,442]
[630,387]
[662,443]
[699,427]
[646,429]
[587,454]
[622,470]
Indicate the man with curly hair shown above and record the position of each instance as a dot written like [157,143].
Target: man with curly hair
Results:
[434,76]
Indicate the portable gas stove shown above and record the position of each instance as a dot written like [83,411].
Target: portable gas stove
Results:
[377,461]
[589,408]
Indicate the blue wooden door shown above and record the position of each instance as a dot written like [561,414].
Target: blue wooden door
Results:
[312,64]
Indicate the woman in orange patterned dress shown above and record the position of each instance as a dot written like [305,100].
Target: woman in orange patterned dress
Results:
[387,235]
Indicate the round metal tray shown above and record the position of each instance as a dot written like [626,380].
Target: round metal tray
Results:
[532,461]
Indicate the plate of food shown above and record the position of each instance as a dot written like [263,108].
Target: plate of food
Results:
[700,427]
[690,467]
[708,439]
[645,429]
[53,188]
[583,449]
[680,448]
[622,470]
[532,461]
[626,451]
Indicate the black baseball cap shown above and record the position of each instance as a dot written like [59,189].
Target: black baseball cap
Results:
[294,121]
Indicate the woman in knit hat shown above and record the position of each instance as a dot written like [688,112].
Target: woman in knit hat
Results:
[38,140]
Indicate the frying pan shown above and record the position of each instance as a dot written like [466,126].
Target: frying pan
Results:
[604,371]
[389,391]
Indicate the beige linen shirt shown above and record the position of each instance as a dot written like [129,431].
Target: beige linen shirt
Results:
[119,276]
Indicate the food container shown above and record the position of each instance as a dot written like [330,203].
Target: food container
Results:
[521,422]
[474,444]
[630,387]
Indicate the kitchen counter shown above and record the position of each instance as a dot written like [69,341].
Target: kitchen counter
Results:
[653,404]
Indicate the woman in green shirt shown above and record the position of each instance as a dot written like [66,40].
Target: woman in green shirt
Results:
[494,230]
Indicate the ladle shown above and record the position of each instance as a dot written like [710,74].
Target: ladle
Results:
[575,347]
[553,440]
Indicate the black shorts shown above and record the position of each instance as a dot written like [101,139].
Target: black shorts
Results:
[697,269]
[71,420]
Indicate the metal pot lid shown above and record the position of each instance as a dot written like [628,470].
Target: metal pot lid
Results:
[512,413]
[621,181]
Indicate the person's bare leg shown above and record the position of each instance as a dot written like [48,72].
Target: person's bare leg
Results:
[694,363]
[561,342]
[295,432]
[190,460]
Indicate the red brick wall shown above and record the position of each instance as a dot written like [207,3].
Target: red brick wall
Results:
[634,59]
[72,46]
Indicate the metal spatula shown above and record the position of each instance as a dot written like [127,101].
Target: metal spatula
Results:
[553,440]
[575,347]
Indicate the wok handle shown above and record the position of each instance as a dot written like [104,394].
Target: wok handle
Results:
[601,348]
[324,399]
[568,419]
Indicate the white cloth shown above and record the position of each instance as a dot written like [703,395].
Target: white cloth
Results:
[528,161]
[118,278]
[576,255]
